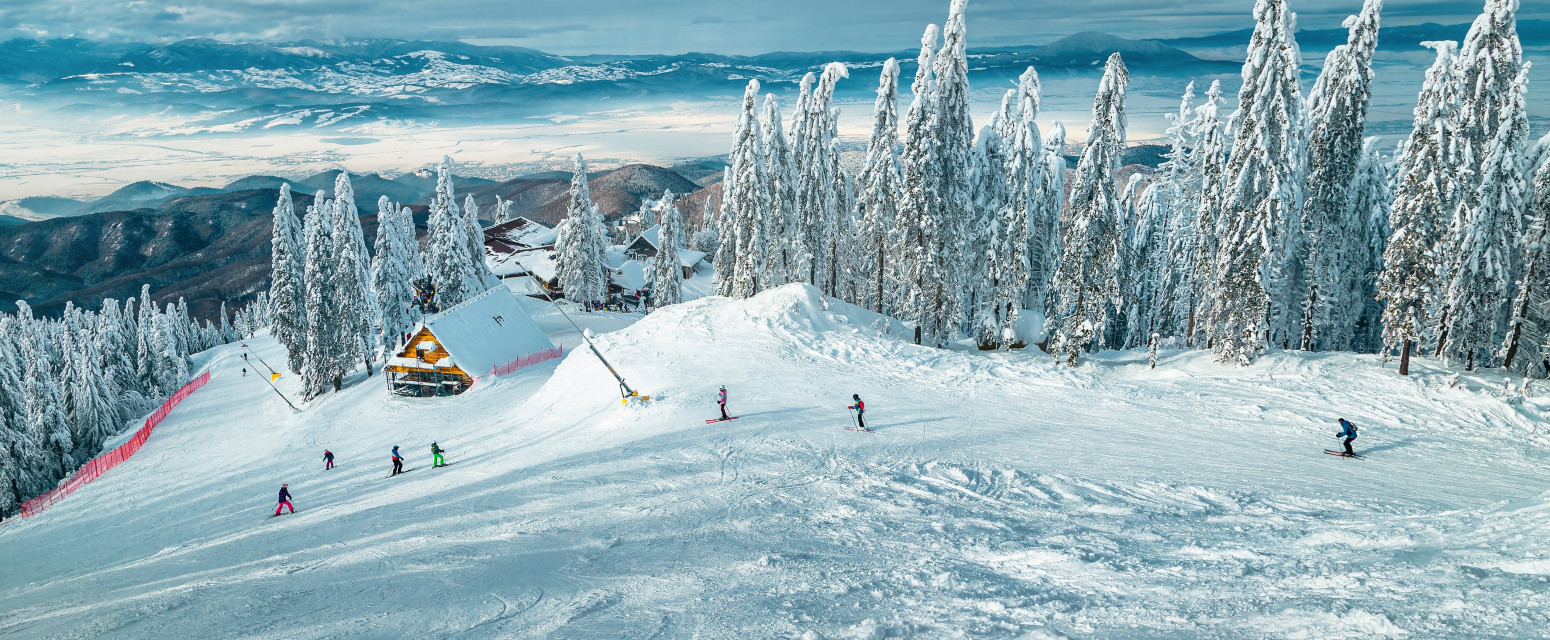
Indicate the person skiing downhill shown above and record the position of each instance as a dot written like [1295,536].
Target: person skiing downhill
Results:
[328,459]
[721,399]
[860,408]
[285,500]
[398,462]
[1347,431]
[436,460]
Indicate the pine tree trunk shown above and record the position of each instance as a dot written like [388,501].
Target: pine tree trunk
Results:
[881,256]
[1404,359]
[1442,340]
[1518,319]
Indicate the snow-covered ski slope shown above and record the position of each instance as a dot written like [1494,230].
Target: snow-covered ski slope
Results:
[999,497]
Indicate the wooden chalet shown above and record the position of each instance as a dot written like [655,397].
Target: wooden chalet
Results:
[447,353]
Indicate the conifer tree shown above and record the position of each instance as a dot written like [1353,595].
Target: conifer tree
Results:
[667,272]
[928,299]
[1527,345]
[581,248]
[785,220]
[1489,230]
[749,198]
[449,261]
[1044,224]
[358,315]
[1337,119]
[287,288]
[725,261]
[1259,259]
[325,336]
[954,130]
[1085,282]
[392,278]
[880,189]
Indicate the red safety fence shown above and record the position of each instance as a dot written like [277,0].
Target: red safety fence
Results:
[109,459]
[527,361]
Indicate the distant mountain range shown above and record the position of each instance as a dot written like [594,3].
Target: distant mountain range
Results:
[212,245]
[223,87]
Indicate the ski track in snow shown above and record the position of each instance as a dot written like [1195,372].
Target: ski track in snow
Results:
[1000,497]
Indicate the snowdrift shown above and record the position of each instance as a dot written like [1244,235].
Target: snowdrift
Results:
[1000,497]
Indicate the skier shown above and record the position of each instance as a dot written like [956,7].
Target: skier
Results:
[860,408]
[398,462]
[1347,431]
[721,399]
[285,500]
[436,460]
[244,372]
[328,459]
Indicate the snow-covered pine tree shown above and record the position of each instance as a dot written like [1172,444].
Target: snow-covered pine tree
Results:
[725,261]
[1146,285]
[667,271]
[1260,254]
[954,130]
[391,279]
[1371,198]
[46,424]
[1044,225]
[580,245]
[815,180]
[1424,199]
[929,300]
[1178,193]
[92,401]
[1085,282]
[842,201]
[448,260]
[1337,121]
[749,198]
[1021,218]
[502,210]
[785,241]
[1527,347]
[358,314]
[287,285]
[880,189]
[984,235]
[1481,288]
[707,239]
[325,337]
[1488,65]
[474,236]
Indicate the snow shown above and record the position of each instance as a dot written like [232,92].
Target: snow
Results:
[488,331]
[1000,497]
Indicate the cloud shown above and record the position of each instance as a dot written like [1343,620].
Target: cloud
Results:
[672,26]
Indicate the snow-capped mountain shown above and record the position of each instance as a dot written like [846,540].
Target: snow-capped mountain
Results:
[234,87]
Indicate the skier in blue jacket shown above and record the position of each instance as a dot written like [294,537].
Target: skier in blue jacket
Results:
[398,461]
[1347,431]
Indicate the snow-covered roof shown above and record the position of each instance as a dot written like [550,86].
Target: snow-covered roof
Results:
[615,256]
[520,233]
[539,262]
[651,235]
[631,275]
[690,257]
[487,331]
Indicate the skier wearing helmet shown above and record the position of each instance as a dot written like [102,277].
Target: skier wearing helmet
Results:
[721,399]
[285,500]
[860,408]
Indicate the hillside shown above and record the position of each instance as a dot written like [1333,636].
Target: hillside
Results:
[1029,501]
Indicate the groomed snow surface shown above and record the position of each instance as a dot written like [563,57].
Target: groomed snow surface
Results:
[1000,497]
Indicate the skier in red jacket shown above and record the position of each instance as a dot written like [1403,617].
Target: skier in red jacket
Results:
[860,408]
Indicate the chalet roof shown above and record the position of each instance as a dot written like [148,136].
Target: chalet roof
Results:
[519,233]
[487,331]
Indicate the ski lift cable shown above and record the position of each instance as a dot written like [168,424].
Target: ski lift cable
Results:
[624,388]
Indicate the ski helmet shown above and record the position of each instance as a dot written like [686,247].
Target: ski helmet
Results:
[856,396]
[284,485]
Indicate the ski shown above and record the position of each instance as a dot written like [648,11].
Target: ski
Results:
[438,466]
[284,514]
[1342,454]
[712,420]
[861,430]
[402,472]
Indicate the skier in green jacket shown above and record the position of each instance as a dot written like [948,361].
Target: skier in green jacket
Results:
[436,460]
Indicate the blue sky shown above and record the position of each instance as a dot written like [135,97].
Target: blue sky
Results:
[675,26]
